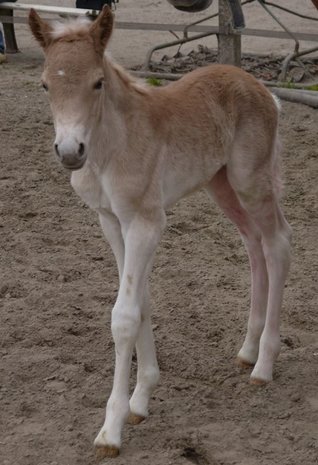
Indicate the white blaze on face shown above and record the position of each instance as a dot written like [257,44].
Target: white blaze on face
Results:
[68,136]
[68,95]
[69,127]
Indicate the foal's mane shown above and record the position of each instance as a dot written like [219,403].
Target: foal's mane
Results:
[77,29]
[129,81]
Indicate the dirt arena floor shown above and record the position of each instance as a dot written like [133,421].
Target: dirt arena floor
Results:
[58,285]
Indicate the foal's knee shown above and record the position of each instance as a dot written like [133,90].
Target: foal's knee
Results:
[125,324]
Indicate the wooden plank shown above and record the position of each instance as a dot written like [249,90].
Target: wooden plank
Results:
[179,27]
[45,8]
[215,30]
[229,43]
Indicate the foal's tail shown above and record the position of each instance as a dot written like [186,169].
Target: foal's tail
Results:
[276,167]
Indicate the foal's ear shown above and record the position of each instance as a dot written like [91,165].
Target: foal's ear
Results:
[101,29]
[40,29]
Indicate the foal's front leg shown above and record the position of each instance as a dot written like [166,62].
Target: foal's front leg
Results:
[148,370]
[112,232]
[141,240]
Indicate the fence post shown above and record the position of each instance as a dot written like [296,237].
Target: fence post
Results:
[229,42]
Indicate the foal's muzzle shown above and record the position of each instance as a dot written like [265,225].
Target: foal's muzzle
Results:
[72,158]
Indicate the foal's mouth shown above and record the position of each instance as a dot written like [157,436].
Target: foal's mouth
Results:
[74,166]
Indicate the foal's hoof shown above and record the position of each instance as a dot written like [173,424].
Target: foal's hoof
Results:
[258,381]
[101,452]
[242,363]
[135,419]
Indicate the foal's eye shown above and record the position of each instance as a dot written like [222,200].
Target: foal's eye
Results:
[99,84]
[45,86]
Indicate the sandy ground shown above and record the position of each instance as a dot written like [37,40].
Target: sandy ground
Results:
[59,282]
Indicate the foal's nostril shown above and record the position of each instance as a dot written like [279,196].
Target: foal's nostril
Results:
[70,153]
[56,147]
[81,149]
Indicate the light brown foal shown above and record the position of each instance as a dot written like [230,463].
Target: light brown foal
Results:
[134,151]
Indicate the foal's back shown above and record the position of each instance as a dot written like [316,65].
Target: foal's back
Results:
[214,91]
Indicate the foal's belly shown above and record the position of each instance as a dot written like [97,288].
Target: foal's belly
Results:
[178,183]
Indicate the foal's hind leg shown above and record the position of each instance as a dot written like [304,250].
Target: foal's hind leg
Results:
[256,193]
[148,370]
[276,245]
[225,197]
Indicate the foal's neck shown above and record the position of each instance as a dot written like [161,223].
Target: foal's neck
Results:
[122,89]
[119,114]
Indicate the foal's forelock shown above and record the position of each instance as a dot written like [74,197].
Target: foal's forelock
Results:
[73,27]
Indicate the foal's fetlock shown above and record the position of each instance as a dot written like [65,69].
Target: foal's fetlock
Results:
[139,401]
[247,356]
[138,408]
[259,378]
[108,440]
[263,371]
[107,445]
[268,353]
[103,449]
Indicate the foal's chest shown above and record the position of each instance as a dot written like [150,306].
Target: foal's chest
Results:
[88,186]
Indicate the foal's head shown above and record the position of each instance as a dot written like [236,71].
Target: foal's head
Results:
[73,78]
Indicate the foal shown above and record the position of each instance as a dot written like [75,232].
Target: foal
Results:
[134,151]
